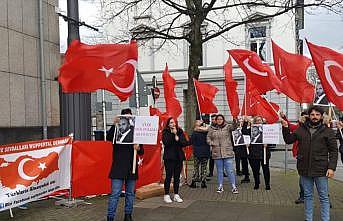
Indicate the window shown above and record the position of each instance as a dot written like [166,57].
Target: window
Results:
[258,41]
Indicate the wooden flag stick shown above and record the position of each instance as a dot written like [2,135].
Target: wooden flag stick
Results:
[264,154]
[134,161]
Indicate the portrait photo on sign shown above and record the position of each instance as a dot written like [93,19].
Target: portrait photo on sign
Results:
[238,138]
[320,96]
[125,129]
[257,134]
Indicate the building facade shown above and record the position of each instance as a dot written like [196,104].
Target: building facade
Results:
[20,80]
[253,36]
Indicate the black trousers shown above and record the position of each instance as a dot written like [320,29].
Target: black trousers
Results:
[238,164]
[255,165]
[211,166]
[245,169]
[173,169]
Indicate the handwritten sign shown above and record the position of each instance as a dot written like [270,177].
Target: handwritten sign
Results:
[146,130]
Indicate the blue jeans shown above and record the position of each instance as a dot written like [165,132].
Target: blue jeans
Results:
[227,164]
[117,185]
[323,192]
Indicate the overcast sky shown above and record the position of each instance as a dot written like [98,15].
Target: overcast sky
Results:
[321,27]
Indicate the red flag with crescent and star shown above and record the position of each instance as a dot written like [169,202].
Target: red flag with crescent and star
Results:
[87,68]
[260,74]
[26,169]
[291,70]
[329,66]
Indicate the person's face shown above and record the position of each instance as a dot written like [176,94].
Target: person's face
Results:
[123,125]
[213,120]
[319,89]
[258,120]
[172,123]
[236,135]
[219,120]
[315,116]
[198,123]
[254,131]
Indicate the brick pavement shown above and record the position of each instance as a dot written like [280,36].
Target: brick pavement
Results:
[200,204]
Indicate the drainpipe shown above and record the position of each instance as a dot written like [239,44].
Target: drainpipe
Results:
[41,70]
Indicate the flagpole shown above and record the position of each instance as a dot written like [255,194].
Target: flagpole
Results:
[334,114]
[137,109]
[245,95]
[196,94]
[104,113]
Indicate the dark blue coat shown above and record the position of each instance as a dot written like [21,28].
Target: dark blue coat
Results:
[200,147]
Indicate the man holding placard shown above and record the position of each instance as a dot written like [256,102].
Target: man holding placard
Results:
[122,165]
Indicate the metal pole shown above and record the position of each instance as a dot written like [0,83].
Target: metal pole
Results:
[196,94]
[286,150]
[41,70]
[76,107]
[137,107]
[104,113]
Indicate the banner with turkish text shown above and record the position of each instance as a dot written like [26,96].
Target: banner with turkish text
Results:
[32,170]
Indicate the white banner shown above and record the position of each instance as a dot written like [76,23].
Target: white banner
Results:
[271,133]
[32,170]
[146,130]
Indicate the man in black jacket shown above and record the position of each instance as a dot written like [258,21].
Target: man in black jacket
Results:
[121,171]
[316,159]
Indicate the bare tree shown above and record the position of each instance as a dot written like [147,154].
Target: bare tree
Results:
[197,21]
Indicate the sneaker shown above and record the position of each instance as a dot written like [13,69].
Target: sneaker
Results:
[245,180]
[235,190]
[267,187]
[22,207]
[220,189]
[167,199]
[177,198]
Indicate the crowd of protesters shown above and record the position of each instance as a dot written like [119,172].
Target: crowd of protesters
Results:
[314,147]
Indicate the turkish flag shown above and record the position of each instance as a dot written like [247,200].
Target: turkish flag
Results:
[205,95]
[291,70]
[149,165]
[260,74]
[329,66]
[87,68]
[172,103]
[256,105]
[26,169]
[231,89]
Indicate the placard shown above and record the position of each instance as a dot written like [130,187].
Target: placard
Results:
[146,129]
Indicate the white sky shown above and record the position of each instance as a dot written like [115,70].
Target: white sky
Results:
[321,27]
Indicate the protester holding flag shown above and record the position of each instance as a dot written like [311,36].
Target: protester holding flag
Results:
[121,172]
[317,159]
[201,153]
[173,140]
[256,155]
[219,137]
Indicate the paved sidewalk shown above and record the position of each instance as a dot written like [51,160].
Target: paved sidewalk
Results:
[200,205]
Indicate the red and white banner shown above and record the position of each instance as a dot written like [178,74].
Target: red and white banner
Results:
[32,170]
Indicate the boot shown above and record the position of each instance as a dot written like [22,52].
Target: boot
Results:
[203,184]
[128,217]
[110,219]
[193,184]
[246,179]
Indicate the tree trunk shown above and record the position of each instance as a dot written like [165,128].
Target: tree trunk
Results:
[195,59]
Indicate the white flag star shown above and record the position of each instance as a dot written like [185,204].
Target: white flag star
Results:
[106,71]
[42,166]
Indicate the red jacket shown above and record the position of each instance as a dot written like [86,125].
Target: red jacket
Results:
[292,128]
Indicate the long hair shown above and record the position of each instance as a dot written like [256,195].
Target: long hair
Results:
[168,121]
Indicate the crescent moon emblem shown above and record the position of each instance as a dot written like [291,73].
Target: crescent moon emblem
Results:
[327,64]
[21,172]
[246,63]
[132,85]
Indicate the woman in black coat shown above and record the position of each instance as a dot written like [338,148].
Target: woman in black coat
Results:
[256,156]
[121,171]
[173,140]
